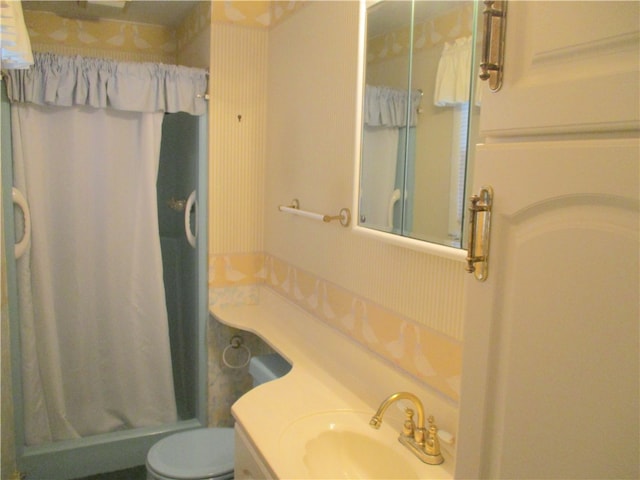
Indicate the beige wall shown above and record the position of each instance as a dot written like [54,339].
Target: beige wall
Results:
[125,41]
[113,39]
[407,304]
[311,155]
[311,142]
[237,89]
[193,37]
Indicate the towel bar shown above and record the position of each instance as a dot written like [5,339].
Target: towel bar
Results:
[344,217]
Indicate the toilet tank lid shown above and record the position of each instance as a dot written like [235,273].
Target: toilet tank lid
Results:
[264,368]
[200,453]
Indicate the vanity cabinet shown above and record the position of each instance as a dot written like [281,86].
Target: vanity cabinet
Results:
[249,465]
[550,374]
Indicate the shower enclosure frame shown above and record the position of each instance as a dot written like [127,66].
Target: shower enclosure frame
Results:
[116,450]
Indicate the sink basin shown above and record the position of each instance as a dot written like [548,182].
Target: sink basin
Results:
[353,455]
[341,444]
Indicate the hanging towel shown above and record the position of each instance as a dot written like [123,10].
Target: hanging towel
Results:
[453,79]
[15,47]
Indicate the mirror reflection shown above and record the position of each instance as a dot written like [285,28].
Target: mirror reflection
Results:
[416,115]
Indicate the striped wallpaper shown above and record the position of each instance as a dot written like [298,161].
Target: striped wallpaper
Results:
[237,88]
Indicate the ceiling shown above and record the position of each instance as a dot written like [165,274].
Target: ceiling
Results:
[169,13]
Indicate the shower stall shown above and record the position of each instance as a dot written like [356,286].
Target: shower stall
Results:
[181,194]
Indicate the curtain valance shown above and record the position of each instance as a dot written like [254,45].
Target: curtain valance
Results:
[136,87]
[387,107]
[453,78]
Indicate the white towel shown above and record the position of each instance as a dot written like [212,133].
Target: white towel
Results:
[15,47]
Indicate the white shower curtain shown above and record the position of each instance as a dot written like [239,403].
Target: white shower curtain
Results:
[378,177]
[385,112]
[96,354]
[94,330]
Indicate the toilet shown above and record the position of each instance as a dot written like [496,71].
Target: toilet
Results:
[207,453]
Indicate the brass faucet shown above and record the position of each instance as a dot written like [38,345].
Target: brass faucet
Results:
[422,442]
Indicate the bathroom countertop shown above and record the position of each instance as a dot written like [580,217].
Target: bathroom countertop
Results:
[330,372]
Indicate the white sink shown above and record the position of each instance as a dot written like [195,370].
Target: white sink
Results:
[341,444]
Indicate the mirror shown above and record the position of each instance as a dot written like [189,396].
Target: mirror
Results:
[416,117]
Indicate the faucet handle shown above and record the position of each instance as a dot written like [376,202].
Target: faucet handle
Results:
[432,444]
[409,426]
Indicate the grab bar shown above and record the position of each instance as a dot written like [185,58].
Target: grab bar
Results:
[191,202]
[395,196]
[344,217]
[22,246]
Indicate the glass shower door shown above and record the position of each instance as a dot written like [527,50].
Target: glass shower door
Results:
[180,238]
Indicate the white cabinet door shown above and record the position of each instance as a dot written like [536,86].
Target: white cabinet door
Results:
[550,381]
[569,67]
[248,464]
[551,338]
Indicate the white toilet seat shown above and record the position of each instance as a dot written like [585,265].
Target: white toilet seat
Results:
[201,454]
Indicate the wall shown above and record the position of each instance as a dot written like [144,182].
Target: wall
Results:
[193,37]
[404,305]
[237,124]
[311,154]
[188,44]
[237,88]
[117,40]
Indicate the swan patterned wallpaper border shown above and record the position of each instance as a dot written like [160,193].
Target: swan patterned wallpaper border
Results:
[430,356]
[125,41]
[433,33]
[140,42]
